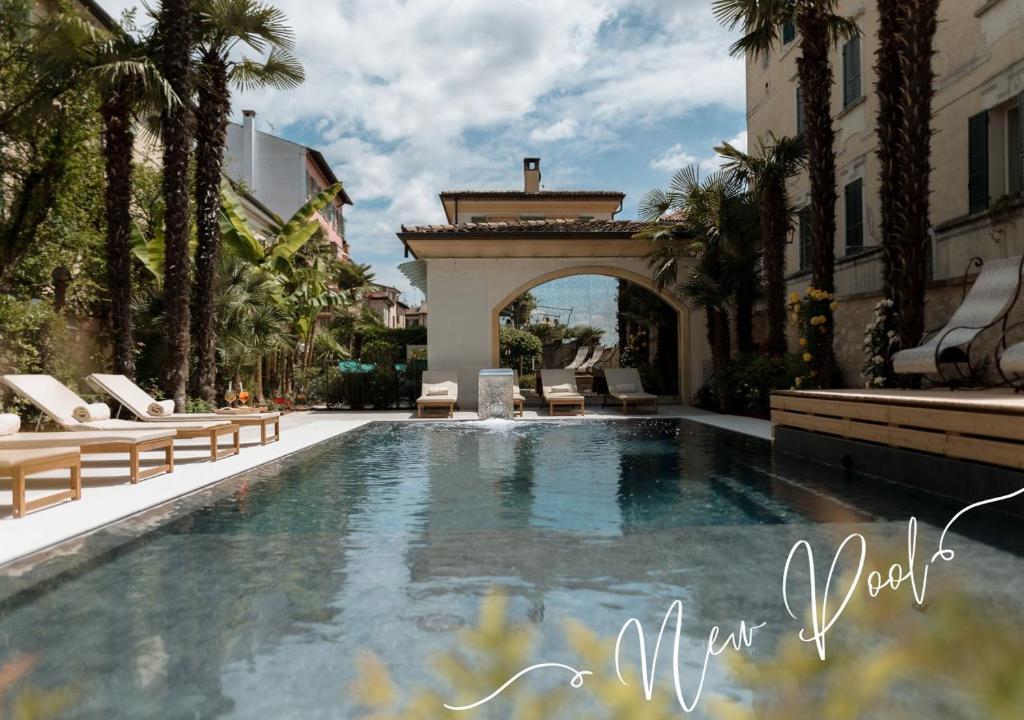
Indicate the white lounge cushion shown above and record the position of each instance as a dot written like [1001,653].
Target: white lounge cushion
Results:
[91,412]
[161,408]
[114,424]
[48,394]
[81,438]
[9,423]
[10,459]
[1012,359]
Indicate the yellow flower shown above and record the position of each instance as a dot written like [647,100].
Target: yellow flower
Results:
[834,306]
[803,342]
[799,382]
[794,297]
[807,357]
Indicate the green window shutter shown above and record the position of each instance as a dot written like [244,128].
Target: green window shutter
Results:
[805,238]
[977,162]
[851,72]
[854,197]
[1020,140]
[788,32]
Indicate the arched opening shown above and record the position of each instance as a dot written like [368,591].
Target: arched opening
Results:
[626,318]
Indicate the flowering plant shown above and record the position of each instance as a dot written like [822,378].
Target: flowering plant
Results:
[881,340]
[812,314]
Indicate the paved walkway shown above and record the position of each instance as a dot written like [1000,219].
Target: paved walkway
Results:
[107,496]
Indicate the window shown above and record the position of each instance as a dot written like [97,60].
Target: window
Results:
[531,217]
[801,114]
[851,72]
[478,219]
[312,186]
[977,163]
[1015,148]
[854,197]
[806,252]
[788,32]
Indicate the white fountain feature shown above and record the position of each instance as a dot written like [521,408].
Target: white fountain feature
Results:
[495,394]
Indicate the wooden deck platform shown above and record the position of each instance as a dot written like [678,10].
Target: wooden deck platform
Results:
[976,426]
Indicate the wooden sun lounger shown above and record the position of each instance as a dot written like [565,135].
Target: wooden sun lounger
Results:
[93,442]
[552,378]
[137,401]
[445,402]
[19,464]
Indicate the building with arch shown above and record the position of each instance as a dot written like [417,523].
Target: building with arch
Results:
[498,245]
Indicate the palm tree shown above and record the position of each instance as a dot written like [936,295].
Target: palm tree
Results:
[912,268]
[768,171]
[820,30]
[174,41]
[707,223]
[129,84]
[586,334]
[889,87]
[221,26]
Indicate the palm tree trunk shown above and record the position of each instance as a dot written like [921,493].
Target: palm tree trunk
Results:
[889,88]
[916,166]
[214,104]
[258,382]
[815,76]
[174,30]
[118,145]
[774,229]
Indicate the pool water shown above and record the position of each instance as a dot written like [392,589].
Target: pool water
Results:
[251,600]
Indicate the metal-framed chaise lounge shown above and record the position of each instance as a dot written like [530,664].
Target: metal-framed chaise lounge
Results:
[19,464]
[60,403]
[439,390]
[559,390]
[581,356]
[988,303]
[624,385]
[143,406]
[518,401]
[599,354]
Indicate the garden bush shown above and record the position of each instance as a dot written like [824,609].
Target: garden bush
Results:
[751,379]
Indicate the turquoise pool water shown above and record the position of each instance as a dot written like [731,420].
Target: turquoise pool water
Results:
[250,600]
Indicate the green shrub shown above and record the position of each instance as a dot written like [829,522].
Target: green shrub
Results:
[519,349]
[751,379]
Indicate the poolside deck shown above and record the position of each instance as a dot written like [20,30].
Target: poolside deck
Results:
[108,497]
[985,426]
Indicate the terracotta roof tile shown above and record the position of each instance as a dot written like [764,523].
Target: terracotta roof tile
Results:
[532,226]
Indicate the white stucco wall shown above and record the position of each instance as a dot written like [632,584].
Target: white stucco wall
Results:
[463,294]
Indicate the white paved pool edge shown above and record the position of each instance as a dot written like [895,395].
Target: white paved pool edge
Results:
[107,496]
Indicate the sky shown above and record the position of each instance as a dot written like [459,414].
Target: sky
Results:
[406,98]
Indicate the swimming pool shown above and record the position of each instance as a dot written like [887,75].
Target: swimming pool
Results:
[252,598]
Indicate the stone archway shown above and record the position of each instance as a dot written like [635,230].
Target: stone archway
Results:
[682,312]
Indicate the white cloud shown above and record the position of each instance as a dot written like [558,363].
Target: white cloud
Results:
[676,157]
[561,130]
[673,159]
[411,97]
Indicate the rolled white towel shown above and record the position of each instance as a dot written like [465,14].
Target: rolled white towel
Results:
[158,409]
[90,412]
[9,423]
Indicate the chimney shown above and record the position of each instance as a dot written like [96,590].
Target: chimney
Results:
[249,149]
[531,174]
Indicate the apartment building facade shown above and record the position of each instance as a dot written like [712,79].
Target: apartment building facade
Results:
[283,175]
[977,208]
